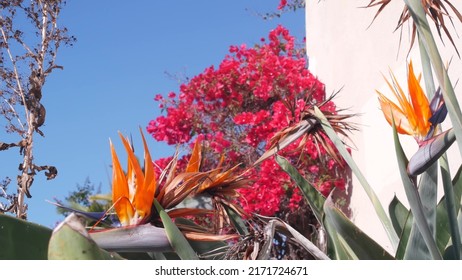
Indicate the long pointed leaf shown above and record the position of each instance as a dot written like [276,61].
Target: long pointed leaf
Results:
[311,194]
[393,237]
[351,237]
[406,229]
[427,191]
[179,243]
[414,200]
[398,215]
[443,230]
[452,206]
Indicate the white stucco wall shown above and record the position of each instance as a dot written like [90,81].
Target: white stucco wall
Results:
[344,52]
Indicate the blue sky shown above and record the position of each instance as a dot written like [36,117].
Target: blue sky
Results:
[113,72]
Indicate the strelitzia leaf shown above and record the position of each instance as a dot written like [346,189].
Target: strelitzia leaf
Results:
[398,214]
[443,229]
[402,212]
[311,194]
[140,238]
[179,243]
[428,185]
[351,238]
[413,198]
[430,151]
[387,225]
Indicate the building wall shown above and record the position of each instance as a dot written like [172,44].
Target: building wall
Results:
[346,53]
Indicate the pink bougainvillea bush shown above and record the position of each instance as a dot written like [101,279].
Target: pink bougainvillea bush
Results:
[237,107]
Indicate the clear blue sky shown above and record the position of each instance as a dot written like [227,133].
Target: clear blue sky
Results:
[113,72]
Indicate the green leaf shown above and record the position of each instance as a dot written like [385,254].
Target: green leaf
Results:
[236,220]
[141,238]
[350,238]
[443,229]
[398,215]
[70,241]
[179,243]
[21,240]
[387,225]
[417,248]
[412,195]
[311,194]
[404,236]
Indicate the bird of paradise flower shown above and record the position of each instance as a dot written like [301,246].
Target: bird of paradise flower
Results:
[417,116]
[133,193]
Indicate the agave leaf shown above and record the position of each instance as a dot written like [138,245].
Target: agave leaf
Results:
[350,237]
[414,200]
[311,194]
[277,225]
[387,225]
[430,151]
[70,241]
[22,240]
[140,238]
[179,243]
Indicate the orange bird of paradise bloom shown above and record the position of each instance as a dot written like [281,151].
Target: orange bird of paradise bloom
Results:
[411,115]
[133,192]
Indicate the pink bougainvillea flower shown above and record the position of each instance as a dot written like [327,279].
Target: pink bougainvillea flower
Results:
[411,115]
[133,193]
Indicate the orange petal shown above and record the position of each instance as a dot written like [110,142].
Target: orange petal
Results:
[125,210]
[420,103]
[135,174]
[404,103]
[195,160]
[145,192]
[401,120]
[119,184]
